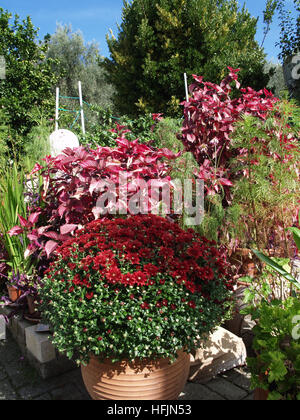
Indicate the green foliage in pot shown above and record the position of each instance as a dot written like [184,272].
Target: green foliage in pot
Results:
[13,208]
[133,289]
[282,270]
[266,167]
[277,344]
[275,306]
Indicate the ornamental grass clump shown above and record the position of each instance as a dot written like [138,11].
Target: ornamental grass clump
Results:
[135,288]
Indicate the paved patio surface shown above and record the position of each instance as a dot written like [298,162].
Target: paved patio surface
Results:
[19,381]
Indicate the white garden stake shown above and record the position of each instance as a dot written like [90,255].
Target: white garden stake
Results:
[186,87]
[186,90]
[81,107]
[56,109]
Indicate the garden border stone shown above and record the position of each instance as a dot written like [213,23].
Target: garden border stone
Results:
[36,347]
[2,329]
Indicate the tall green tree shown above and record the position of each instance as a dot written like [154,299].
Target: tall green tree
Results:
[28,80]
[290,46]
[277,83]
[159,40]
[290,29]
[289,41]
[78,60]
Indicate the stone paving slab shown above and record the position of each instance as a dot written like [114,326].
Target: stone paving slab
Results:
[20,381]
[227,389]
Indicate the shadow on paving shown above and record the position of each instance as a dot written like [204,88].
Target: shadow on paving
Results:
[20,381]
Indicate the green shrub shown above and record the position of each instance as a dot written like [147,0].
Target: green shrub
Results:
[36,144]
[4,133]
[277,365]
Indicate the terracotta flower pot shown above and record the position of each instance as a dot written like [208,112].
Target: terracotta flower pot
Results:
[244,261]
[260,394]
[140,380]
[13,293]
[234,324]
[33,314]
[31,305]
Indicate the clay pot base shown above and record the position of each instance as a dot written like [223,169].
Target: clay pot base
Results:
[153,380]
[35,318]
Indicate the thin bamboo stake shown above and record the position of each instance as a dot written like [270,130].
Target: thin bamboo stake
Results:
[81,107]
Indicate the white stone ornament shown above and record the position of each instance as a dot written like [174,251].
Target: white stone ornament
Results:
[222,351]
[60,140]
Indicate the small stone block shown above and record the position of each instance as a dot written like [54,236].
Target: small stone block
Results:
[14,321]
[2,328]
[39,345]
[21,337]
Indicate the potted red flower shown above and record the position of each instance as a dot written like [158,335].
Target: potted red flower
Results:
[129,299]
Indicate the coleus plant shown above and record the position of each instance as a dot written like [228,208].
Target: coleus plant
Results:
[210,117]
[74,181]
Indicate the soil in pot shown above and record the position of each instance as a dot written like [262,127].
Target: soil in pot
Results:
[140,380]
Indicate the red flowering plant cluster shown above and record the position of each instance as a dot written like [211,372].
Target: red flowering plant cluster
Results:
[132,288]
[78,179]
[210,117]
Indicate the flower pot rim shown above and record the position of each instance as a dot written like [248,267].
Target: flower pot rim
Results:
[137,360]
[12,286]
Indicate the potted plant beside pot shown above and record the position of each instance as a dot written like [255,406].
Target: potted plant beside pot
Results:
[129,299]
[265,194]
[19,265]
[29,285]
[266,190]
[12,285]
[275,371]
[22,295]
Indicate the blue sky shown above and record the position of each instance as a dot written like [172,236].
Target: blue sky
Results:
[95,17]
